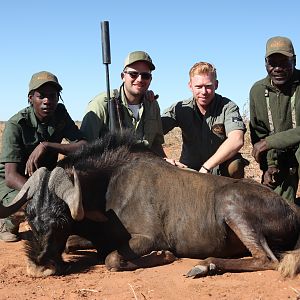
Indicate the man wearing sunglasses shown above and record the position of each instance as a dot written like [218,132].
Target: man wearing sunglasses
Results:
[275,119]
[212,127]
[136,112]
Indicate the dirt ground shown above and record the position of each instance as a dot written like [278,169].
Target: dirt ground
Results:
[91,280]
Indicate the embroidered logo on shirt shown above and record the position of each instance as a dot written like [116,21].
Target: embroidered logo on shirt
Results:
[218,129]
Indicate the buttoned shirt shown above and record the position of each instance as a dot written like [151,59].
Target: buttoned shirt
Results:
[23,132]
[147,126]
[202,135]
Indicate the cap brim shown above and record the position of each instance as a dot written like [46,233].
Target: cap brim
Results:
[42,83]
[151,65]
[288,54]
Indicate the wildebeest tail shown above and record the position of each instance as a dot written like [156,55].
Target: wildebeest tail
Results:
[289,266]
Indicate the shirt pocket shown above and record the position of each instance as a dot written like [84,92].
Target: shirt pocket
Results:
[218,130]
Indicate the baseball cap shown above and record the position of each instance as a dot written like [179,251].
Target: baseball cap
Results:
[280,44]
[41,78]
[139,56]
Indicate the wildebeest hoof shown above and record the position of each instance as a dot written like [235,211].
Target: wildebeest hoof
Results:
[39,271]
[167,255]
[76,242]
[35,270]
[201,271]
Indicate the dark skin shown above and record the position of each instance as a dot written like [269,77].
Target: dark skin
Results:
[280,69]
[44,101]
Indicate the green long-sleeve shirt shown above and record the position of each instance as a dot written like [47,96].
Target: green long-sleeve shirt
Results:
[284,136]
[23,133]
[147,126]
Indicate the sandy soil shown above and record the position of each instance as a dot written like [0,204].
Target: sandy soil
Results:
[91,280]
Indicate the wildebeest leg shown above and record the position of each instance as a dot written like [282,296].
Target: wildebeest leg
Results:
[116,262]
[137,254]
[262,256]
[213,265]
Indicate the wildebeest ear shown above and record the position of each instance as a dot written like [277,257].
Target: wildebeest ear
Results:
[26,193]
[62,186]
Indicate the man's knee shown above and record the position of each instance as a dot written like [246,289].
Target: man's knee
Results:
[10,225]
[235,168]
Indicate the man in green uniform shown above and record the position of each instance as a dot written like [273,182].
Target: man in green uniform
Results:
[32,139]
[136,112]
[212,127]
[275,118]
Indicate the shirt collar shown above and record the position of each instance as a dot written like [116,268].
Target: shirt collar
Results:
[34,122]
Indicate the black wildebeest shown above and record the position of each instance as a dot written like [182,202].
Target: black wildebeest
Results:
[140,211]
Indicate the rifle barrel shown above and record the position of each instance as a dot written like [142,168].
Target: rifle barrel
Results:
[112,122]
[105,42]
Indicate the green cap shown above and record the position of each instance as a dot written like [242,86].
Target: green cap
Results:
[280,44]
[41,78]
[139,56]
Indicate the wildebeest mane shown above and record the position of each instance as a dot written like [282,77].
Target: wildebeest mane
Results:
[106,153]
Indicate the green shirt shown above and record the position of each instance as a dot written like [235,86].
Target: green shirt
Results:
[147,126]
[23,132]
[285,136]
[202,135]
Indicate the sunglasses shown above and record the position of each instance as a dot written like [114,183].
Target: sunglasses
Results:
[135,75]
[283,63]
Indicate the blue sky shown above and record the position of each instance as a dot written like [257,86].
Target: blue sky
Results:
[64,37]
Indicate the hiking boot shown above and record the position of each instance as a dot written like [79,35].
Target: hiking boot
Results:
[8,231]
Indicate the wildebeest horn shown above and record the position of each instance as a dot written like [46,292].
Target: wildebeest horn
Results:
[60,183]
[26,192]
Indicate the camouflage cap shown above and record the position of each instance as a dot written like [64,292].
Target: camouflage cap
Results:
[139,56]
[41,78]
[280,44]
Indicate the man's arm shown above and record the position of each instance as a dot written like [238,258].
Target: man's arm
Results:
[259,122]
[159,136]
[91,126]
[41,150]
[259,128]
[168,119]
[13,179]
[284,139]
[280,140]
[227,149]
[95,120]
[64,149]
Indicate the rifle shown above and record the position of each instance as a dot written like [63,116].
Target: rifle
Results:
[114,116]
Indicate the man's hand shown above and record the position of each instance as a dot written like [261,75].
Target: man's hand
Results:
[175,162]
[258,148]
[33,162]
[269,178]
[204,170]
[150,96]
